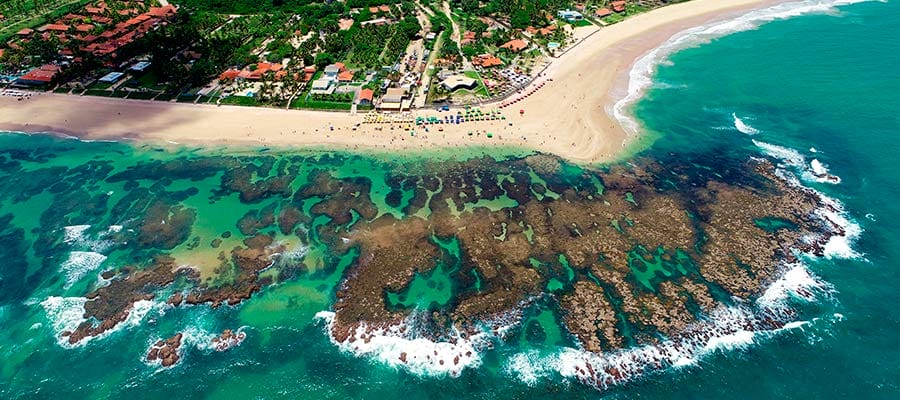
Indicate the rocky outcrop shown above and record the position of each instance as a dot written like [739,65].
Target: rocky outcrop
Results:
[166,352]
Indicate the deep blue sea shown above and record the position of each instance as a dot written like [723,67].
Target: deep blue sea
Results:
[825,86]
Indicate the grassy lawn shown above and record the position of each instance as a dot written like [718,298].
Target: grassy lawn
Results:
[100,86]
[320,105]
[142,95]
[150,81]
[240,101]
[96,92]
[630,9]
[583,22]
[482,89]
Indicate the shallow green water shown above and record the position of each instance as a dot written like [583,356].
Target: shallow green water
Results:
[798,82]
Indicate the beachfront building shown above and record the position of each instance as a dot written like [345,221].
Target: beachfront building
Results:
[323,86]
[570,15]
[456,82]
[111,78]
[40,76]
[486,61]
[602,13]
[365,97]
[515,45]
[395,99]
[331,72]
[618,6]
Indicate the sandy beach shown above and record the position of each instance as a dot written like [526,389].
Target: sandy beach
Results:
[569,116]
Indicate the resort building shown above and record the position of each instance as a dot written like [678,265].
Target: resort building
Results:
[457,82]
[395,99]
[39,76]
[515,45]
[602,12]
[486,61]
[618,6]
[322,86]
[331,72]
[570,15]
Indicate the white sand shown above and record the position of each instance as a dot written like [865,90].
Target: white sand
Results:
[569,116]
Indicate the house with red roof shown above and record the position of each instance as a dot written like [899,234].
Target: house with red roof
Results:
[486,61]
[468,37]
[515,45]
[365,97]
[618,6]
[602,12]
[39,76]
[54,28]
[345,76]
[162,12]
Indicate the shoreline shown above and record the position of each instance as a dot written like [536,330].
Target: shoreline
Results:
[566,117]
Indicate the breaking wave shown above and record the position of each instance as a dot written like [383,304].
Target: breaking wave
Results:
[79,264]
[742,126]
[725,329]
[813,171]
[67,313]
[399,346]
[641,74]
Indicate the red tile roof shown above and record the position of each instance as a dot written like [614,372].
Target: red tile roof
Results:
[54,27]
[43,74]
[603,12]
[345,76]
[618,6]
[515,45]
[84,27]
[229,74]
[366,94]
[162,11]
[25,32]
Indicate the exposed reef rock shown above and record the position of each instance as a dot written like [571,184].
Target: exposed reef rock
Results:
[166,352]
[627,255]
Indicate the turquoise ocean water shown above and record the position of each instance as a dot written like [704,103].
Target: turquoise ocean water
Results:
[814,84]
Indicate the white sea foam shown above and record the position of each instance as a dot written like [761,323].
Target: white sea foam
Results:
[840,247]
[724,329]
[67,313]
[640,77]
[742,126]
[531,366]
[796,282]
[76,236]
[74,233]
[814,171]
[79,264]
[422,356]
